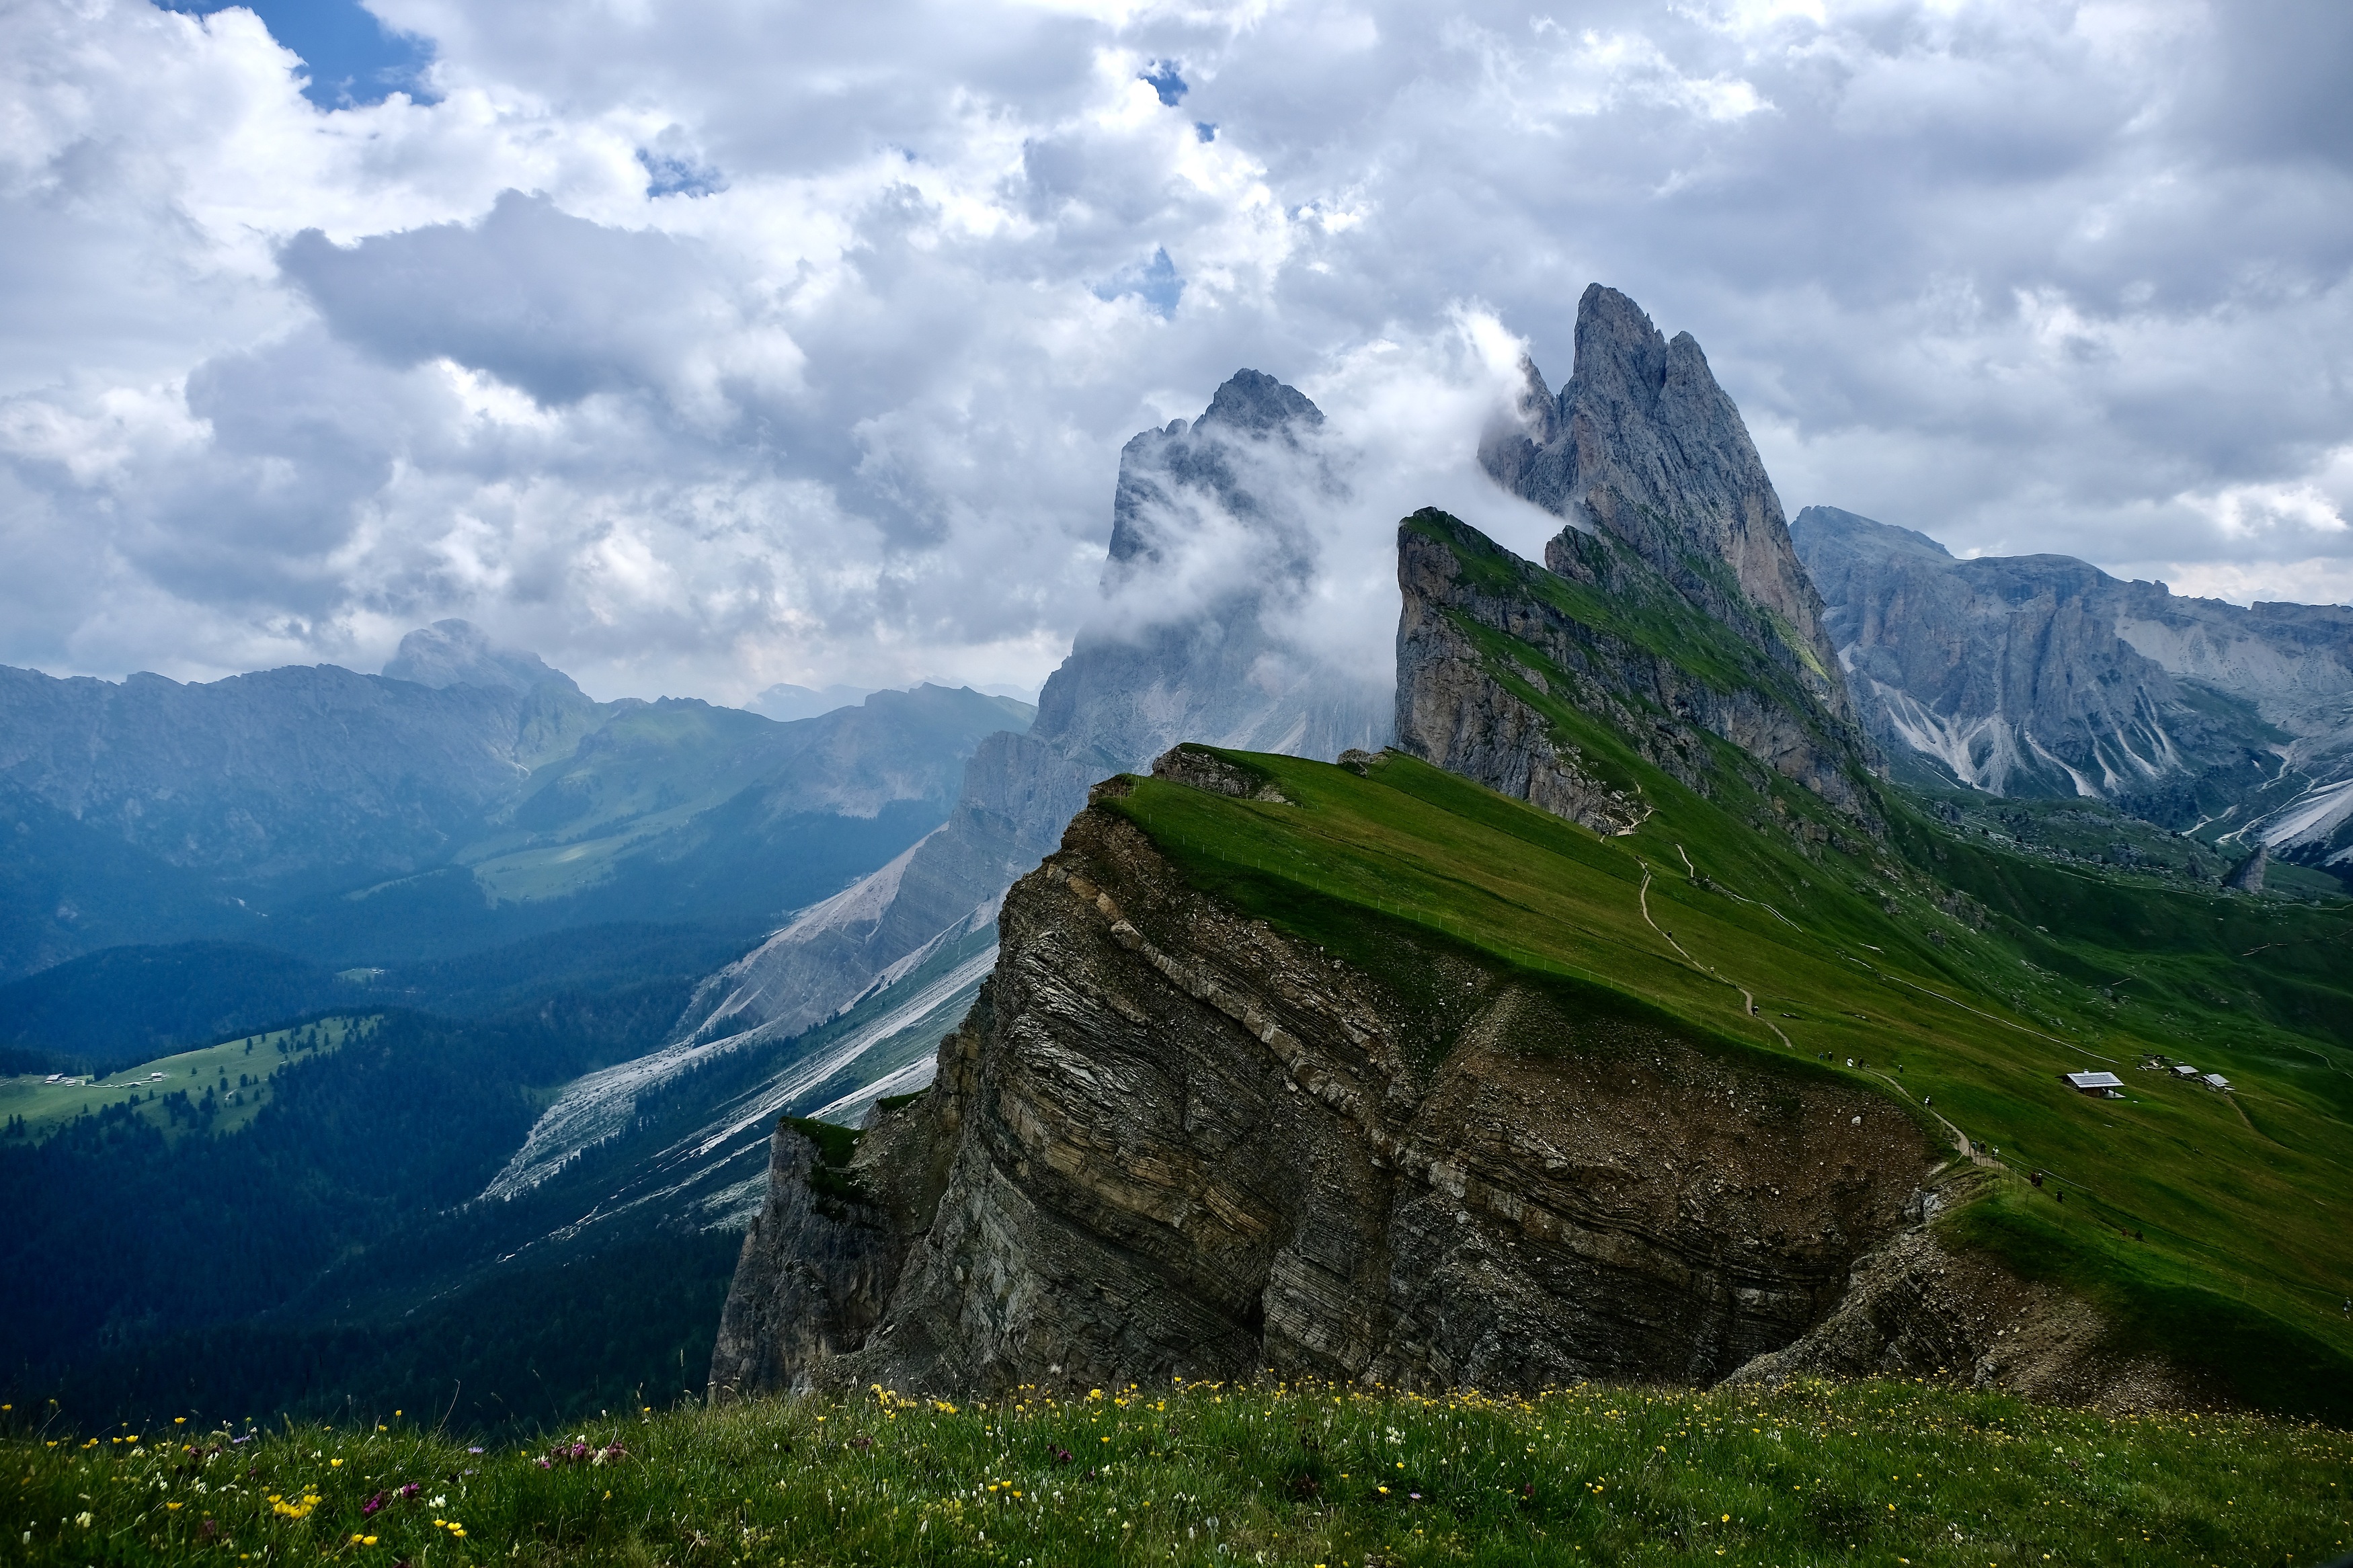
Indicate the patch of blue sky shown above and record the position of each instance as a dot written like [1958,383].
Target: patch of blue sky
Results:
[678,174]
[350,57]
[1162,78]
[1154,282]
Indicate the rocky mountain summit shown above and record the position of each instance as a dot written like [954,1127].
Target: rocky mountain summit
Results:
[1171,658]
[1670,614]
[2042,676]
[1642,449]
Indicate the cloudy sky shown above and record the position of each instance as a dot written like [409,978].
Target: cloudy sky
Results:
[700,344]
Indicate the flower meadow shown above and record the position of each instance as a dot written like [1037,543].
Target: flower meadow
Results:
[1302,1475]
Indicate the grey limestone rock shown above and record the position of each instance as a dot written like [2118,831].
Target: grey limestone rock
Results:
[1642,445]
[1216,673]
[2041,675]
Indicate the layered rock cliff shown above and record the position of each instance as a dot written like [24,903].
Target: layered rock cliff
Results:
[1186,1144]
[1171,1140]
[1528,679]
[1641,446]
[1669,613]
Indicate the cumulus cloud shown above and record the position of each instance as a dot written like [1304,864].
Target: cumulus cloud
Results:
[718,346]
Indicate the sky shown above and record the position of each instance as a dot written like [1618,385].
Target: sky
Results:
[703,344]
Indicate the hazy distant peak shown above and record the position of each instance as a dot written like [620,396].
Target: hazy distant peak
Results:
[1162,472]
[1864,534]
[459,653]
[785,703]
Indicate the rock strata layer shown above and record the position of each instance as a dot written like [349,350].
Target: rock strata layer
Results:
[1641,446]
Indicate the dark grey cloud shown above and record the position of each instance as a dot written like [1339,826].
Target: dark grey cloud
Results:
[543,301]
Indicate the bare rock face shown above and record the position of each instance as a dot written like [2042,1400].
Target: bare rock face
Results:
[1643,446]
[1203,769]
[817,1267]
[2042,676]
[1172,1141]
[1917,1306]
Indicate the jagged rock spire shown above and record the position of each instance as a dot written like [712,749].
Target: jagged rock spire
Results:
[1642,444]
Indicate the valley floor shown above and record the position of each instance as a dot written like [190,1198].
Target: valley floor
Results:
[1300,1474]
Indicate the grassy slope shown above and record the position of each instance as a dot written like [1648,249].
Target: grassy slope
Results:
[1858,1473]
[2237,1201]
[45,1107]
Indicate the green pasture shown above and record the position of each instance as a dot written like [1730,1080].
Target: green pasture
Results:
[235,1075]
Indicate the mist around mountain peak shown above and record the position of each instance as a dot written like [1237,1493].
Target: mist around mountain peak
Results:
[459,653]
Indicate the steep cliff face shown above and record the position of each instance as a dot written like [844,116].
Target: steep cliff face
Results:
[1173,1140]
[1641,445]
[2040,675]
[1527,678]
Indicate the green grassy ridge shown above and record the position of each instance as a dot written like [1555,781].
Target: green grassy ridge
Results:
[1296,1475]
[1369,866]
[1656,621]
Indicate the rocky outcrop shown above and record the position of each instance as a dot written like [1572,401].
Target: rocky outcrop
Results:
[1501,708]
[1175,1141]
[1641,445]
[1919,1306]
[2042,676]
[1669,610]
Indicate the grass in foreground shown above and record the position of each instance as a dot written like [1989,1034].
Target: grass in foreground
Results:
[1306,1474]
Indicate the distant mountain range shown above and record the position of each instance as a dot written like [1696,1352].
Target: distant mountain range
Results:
[469,795]
[2042,676]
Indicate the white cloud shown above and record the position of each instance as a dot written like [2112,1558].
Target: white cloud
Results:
[717,345]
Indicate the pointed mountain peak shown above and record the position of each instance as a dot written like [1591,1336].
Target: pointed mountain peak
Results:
[1254,402]
[1621,356]
[459,653]
[1643,446]
[1205,462]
